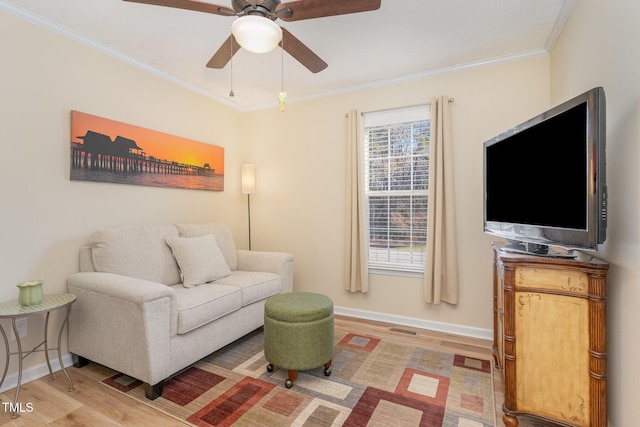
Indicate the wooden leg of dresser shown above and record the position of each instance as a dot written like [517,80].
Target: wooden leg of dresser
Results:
[510,420]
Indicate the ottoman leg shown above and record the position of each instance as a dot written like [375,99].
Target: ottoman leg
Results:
[293,375]
[327,368]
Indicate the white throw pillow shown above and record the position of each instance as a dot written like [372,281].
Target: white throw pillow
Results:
[199,258]
[136,251]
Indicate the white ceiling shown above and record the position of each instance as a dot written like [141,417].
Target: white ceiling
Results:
[403,40]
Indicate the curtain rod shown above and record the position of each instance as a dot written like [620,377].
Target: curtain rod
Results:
[450,99]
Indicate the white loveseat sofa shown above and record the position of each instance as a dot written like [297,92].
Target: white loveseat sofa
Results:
[152,300]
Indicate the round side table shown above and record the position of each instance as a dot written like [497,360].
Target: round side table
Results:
[13,310]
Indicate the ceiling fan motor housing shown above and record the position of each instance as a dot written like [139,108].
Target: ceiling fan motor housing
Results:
[266,8]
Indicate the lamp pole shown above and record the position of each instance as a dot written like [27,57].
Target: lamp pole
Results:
[248,188]
[249,216]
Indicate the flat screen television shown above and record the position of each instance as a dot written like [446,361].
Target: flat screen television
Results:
[545,179]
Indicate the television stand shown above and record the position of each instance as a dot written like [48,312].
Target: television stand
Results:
[550,337]
[537,250]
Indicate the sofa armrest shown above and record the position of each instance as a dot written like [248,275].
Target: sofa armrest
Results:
[120,287]
[270,262]
[124,323]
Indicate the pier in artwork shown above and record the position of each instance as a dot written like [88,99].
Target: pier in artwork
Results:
[98,152]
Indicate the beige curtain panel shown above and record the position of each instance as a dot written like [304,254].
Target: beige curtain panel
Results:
[356,260]
[441,269]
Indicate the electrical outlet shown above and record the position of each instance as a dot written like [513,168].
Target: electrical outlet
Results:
[21,326]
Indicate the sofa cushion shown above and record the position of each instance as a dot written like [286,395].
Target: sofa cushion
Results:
[203,304]
[255,286]
[223,235]
[199,259]
[136,251]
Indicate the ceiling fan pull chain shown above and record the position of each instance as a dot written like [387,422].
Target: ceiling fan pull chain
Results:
[231,94]
[282,96]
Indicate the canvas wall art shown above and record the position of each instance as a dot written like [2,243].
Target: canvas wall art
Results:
[105,150]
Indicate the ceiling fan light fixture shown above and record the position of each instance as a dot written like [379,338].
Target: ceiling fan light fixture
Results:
[256,34]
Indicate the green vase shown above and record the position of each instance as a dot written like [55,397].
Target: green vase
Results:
[30,292]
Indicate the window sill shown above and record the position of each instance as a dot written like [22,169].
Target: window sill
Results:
[381,271]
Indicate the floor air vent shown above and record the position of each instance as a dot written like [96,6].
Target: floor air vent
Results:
[404,331]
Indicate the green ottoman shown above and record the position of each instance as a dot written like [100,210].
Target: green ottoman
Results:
[298,333]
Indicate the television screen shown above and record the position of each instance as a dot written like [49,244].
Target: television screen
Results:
[544,180]
[548,181]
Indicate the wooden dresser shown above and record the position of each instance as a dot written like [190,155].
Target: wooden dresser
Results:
[550,337]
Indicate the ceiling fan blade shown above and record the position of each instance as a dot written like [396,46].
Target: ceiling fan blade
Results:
[307,9]
[224,53]
[190,5]
[301,52]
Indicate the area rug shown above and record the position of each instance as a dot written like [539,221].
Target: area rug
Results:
[373,383]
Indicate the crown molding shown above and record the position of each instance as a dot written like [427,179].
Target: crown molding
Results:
[563,16]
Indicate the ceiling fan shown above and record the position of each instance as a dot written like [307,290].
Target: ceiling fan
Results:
[295,10]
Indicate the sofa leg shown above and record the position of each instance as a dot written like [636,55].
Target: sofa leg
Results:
[79,361]
[152,392]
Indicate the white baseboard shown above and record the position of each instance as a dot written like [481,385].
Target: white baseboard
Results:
[449,328]
[35,372]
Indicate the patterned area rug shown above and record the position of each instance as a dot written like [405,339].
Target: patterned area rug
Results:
[373,383]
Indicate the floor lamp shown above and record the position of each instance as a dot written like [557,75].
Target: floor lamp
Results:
[249,188]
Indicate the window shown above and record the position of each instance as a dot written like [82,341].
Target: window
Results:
[396,145]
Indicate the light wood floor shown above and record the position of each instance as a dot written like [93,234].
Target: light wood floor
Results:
[92,404]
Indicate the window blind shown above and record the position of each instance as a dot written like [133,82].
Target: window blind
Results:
[396,182]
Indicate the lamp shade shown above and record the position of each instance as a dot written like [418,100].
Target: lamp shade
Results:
[248,178]
[256,34]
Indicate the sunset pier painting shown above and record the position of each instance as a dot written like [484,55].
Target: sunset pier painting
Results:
[104,150]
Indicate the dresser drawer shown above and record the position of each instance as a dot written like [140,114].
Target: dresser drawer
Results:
[552,279]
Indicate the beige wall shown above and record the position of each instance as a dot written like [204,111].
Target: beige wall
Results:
[598,47]
[299,205]
[45,216]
